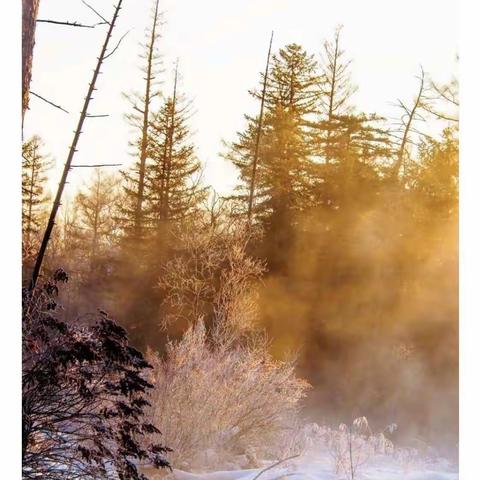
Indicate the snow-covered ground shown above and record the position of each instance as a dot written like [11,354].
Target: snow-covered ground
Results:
[321,468]
[323,453]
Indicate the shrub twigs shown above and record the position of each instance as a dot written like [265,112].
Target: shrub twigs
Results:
[274,465]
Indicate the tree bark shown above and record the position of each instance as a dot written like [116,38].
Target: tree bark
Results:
[29,17]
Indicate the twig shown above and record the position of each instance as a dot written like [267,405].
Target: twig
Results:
[291,474]
[97,116]
[94,11]
[118,44]
[49,102]
[98,165]
[69,24]
[274,465]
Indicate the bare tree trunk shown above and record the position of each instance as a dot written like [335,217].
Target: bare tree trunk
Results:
[146,119]
[29,17]
[170,146]
[73,149]
[331,98]
[259,133]
[410,113]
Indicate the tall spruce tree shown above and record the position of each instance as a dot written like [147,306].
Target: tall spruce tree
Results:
[171,194]
[359,146]
[173,175]
[285,160]
[286,170]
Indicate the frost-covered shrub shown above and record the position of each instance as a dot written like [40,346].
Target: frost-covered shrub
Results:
[352,446]
[408,457]
[217,402]
[229,402]
[211,276]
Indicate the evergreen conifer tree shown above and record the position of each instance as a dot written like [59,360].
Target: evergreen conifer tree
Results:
[173,174]
[35,166]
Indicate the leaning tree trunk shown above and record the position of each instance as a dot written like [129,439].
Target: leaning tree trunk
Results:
[29,18]
[258,135]
[73,148]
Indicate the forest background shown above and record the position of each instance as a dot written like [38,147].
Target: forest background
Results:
[363,342]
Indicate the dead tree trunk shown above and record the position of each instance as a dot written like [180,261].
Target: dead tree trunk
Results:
[410,113]
[146,118]
[258,136]
[73,149]
[171,132]
[331,97]
[29,18]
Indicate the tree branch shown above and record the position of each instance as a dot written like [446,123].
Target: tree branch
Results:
[49,102]
[273,466]
[94,11]
[69,24]
[98,165]
[118,44]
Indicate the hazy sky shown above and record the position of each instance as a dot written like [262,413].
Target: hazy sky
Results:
[222,47]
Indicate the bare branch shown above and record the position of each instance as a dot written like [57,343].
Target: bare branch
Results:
[118,44]
[97,165]
[440,115]
[94,11]
[49,102]
[69,24]
[274,465]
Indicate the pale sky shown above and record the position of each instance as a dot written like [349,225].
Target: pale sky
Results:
[222,47]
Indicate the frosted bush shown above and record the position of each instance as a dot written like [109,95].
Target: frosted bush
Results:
[218,401]
[408,458]
[352,446]
[212,275]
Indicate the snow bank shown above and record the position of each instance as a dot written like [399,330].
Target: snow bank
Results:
[322,470]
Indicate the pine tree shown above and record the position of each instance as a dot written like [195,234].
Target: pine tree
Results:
[359,146]
[285,161]
[286,173]
[35,166]
[435,176]
[172,179]
[172,194]
[294,81]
